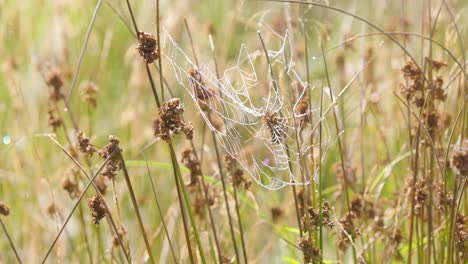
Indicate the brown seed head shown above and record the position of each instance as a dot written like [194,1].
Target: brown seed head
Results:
[311,253]
[52,209]
[169,121]
[347,230]
[84,144]
[191,162]
[147,47]
[114,164]
[53,118]
[236,174]
[122,233]
[70,183]
[199,87]
[459,159]
[88,91]
[276,213]
[4,209]
[55,82]
[98,209]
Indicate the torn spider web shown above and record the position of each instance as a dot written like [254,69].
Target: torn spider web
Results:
[256,122]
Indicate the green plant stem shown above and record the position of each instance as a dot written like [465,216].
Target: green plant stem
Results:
[160,213]
[135,207]
[239,219]
[186,200]
[341,151]
[85,235]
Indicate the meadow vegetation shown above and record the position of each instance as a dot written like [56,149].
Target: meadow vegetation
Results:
[240,131]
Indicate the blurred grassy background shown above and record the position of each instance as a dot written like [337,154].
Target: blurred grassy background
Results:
[36,35]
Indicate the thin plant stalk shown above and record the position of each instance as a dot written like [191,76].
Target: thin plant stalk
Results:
[160,213]
[275,86]
[10,241]
[135,207]
[341,151]
[186,200]
[200,160]
[177,173]
[85,234]
[321,173]
[239,220]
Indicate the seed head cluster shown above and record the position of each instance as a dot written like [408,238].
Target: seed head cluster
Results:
[198,85]
[312,222]
[114,164]
[191,162]
[4,209]
[347,229]
[53,117]
[55,81]
[311,253]
[89,93]
[84,144]
[236,174]
[70,183]
[459,159]
[169,122]
[98,209]
[147,47]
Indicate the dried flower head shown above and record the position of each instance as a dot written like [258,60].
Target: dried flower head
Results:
[443,199]
[4,209]
[236,174]
[191,162]
[415,78]
[311,253]
[122,233]
[199,87]
[314,217]
[276,213]
[147,47]
[302,109]
[169,121]
[420,195]
[55,82]
[114,164]
[459,159]
[340,62]
[52,209]
[347,229]
[439,92]
[109,148]
[396,237]
[461,236]
[98,209]
[53,118]
[84,144]
[70,183]
[438,64]
[88,91]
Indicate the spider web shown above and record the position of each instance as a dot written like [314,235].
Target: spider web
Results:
[236,105]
